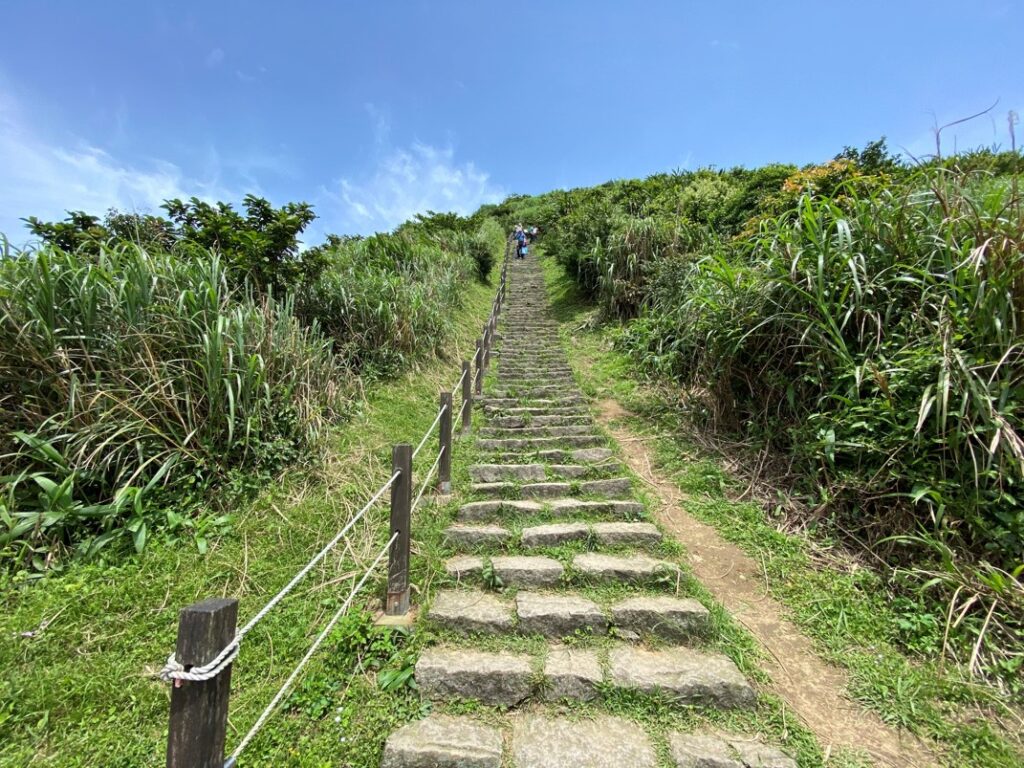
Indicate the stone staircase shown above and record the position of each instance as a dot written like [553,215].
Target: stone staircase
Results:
[561,592]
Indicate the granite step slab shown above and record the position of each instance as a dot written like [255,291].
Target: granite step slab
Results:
[572,673]
[443,741]
[720,750]
[685,675]
[672,619]
[629,569]
[475,535]
[496,679]
[624,533]
[609,488]
[559,508]
[495,473]
[592,457]
[511,570]
[559,615]
[470,611]
[539,443]
[602,742]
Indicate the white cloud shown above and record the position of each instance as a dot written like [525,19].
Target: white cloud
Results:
[408,181]
[215,58]
[44,179]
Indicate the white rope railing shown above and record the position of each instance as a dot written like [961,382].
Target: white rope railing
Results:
[174,670]
[458,384]
[265,715]
[426,480]
[437,420]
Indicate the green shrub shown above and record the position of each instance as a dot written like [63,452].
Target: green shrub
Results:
[128,372]
[387,298]
[876,336]
[486,247]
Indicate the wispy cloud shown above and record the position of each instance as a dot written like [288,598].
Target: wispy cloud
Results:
[215,58]
[248,77]
[46,179]
[405,182]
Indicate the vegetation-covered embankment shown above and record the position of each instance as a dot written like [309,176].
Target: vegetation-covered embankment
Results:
[860,323]
[154,370]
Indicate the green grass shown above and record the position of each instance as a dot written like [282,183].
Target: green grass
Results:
[848,613]
[80,651]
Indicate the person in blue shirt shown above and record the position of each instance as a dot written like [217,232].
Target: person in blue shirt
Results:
[520,236]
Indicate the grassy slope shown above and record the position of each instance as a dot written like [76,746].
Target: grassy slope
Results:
[80,690]
[846,613]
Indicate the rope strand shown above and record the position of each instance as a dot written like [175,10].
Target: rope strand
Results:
[174,670]
[437,420]
[426,480]
[262,719]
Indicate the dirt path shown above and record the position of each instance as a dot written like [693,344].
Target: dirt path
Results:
[813,688]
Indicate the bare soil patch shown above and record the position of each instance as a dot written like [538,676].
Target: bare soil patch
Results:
[814,689]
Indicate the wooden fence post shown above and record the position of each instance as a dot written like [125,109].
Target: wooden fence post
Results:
[199,710]
[401,518]
[487,343]
[479,359]
[467,396]
[444,464]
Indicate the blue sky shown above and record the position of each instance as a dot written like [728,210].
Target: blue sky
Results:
[373,112]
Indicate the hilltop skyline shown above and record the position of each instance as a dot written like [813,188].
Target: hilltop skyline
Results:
[373,115]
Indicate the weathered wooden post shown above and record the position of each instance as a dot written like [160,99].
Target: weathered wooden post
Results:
[199,709]
[467,396]
[487,343]
[444,463]
[401,519]
[479,362]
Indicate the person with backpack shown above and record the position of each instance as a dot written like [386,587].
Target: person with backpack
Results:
[520,236]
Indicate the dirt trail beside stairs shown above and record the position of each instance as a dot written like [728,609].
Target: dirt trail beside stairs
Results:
[814,689]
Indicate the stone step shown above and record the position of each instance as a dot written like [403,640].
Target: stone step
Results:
[497,679]
[489,401]
[497,473]
[600,742]
[539,443]
[467,536]
[587,456]
[536,571]
[534,392]
[494,473]
[614,487]
[514,369]
[722,750]
[538,420]
[628,569]
[527,356]
[471,611]
[511,358]
[577,471]
[522,367]
[553,410]
[614,534]
[541,431]
[683,674]
[669,619]
[539,379]
[506,679]
[559,508]
[443,741]
[558,615]
[510,571]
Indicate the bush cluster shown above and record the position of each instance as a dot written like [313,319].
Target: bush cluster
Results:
[864,318]
[151,367]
